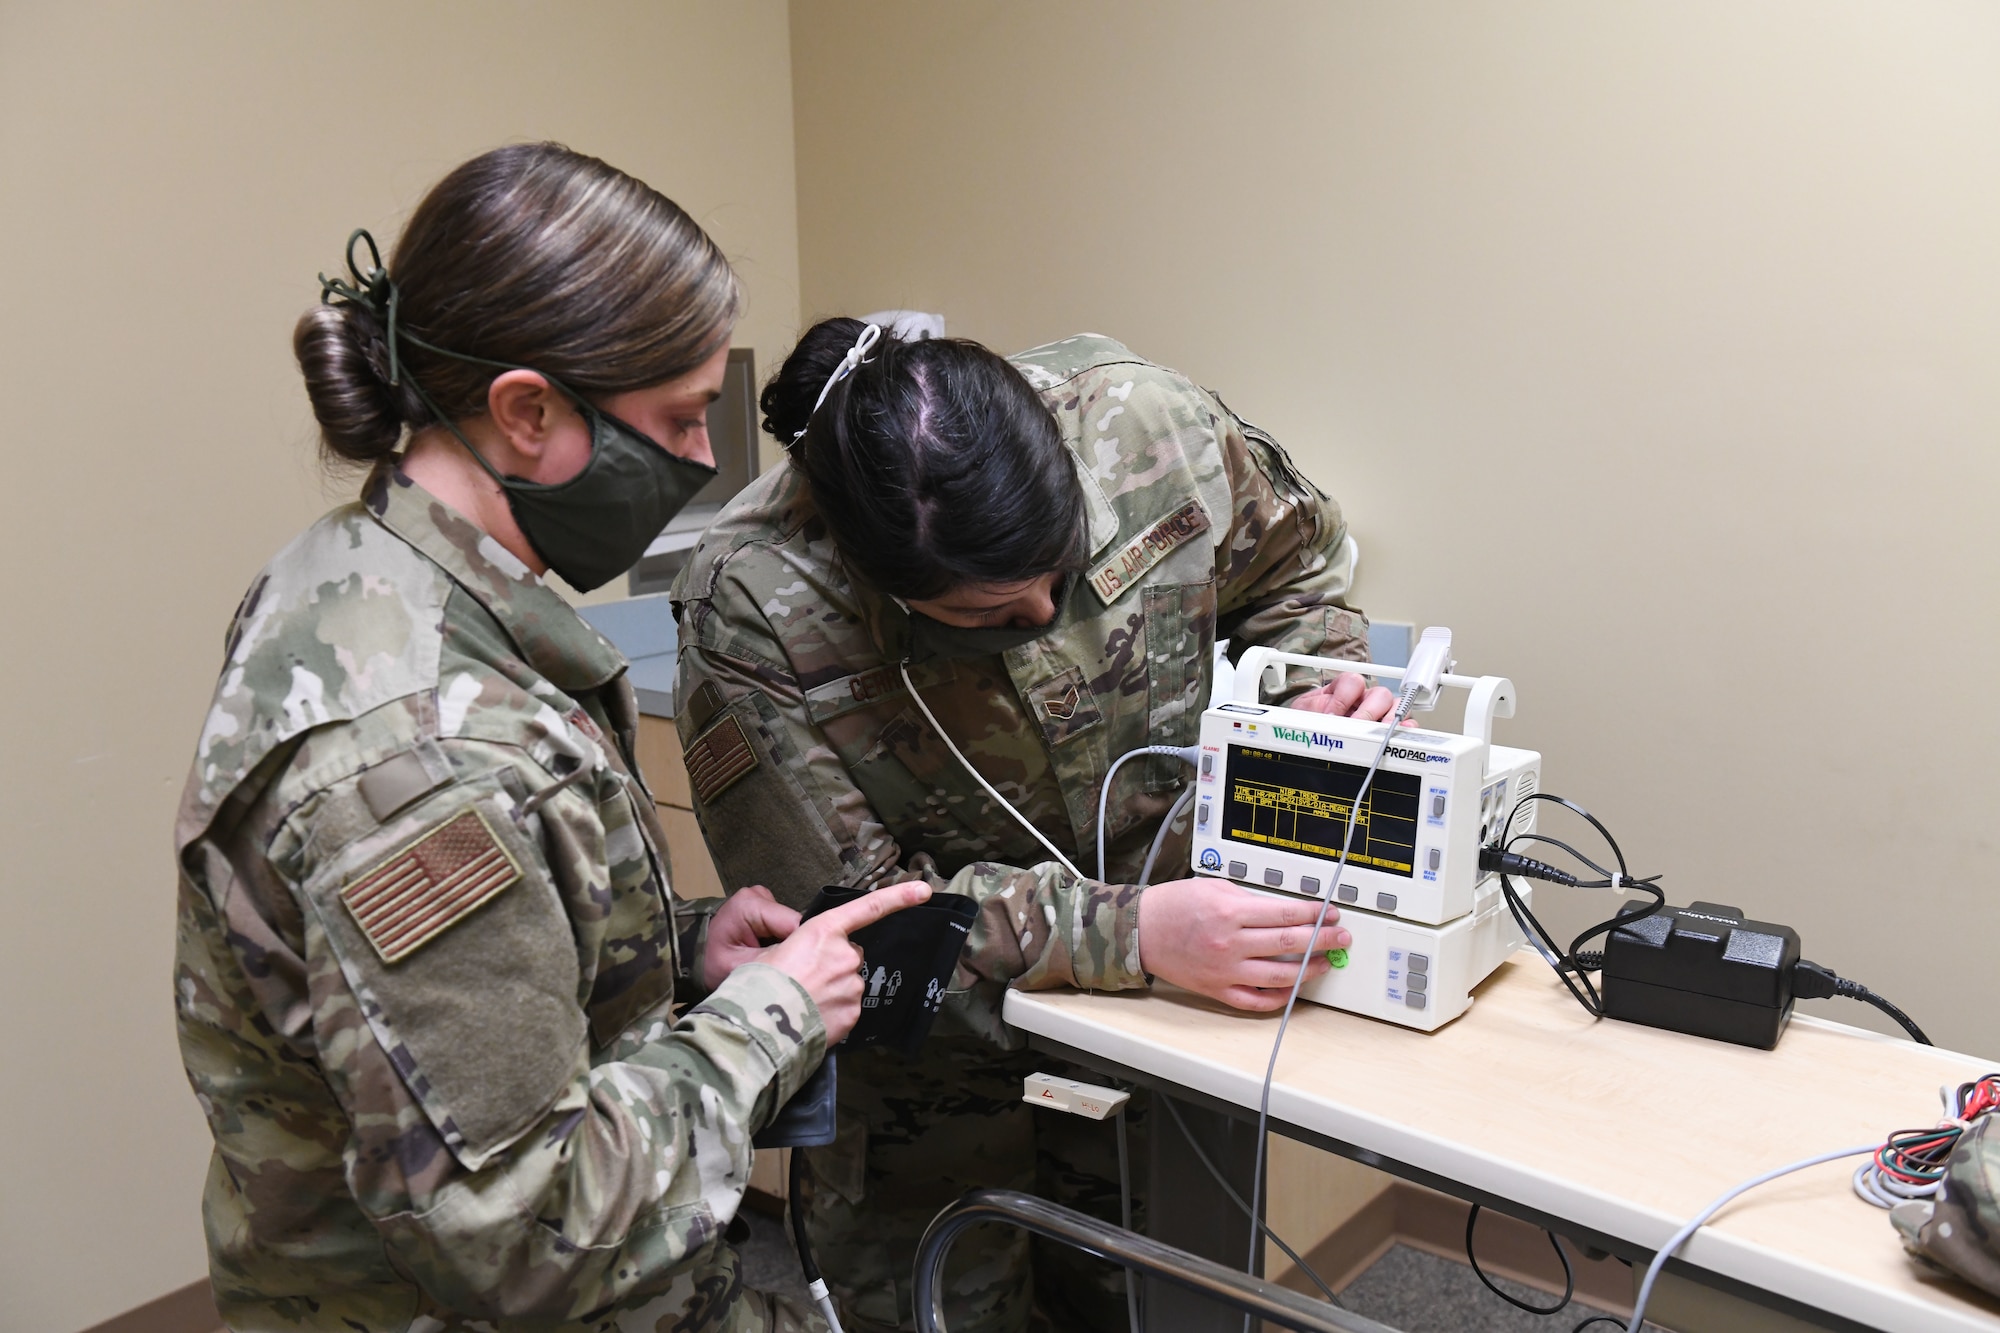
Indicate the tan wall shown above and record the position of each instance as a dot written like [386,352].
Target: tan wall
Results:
[171,179]
[1651,347]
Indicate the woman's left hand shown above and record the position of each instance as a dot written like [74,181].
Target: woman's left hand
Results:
[741,929]
[1348,696]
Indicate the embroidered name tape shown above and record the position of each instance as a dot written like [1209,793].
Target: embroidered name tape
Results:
[417,894]
[718,757]
[1112,579]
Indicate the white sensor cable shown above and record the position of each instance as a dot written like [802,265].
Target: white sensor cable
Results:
[1005,804]
[1680,1238]
[1188,753]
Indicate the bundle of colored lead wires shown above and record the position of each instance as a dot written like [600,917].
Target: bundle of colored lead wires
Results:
[1911,1163]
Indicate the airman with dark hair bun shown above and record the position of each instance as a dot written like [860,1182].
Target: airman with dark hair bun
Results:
[1026,561]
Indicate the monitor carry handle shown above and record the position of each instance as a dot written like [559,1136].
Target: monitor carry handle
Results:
[1489,696]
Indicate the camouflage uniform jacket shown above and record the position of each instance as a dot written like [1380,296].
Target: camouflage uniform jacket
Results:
[1958,1228]
[811,766]
[426,960]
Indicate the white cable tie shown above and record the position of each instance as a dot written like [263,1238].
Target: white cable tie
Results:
[1617,881]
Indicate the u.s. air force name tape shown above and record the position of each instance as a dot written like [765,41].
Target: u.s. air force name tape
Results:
[1112,579]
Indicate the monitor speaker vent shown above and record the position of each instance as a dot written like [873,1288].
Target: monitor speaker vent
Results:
[1522,820]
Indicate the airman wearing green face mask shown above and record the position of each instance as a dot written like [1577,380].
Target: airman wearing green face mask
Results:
[428,952]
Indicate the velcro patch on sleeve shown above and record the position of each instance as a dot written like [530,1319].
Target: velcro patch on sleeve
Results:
[1127,565]
[718,757]
[409,899]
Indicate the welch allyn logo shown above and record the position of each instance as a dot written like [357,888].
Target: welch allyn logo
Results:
[1300,736]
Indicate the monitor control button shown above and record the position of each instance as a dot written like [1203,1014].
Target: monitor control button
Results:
[1385,902]
[1437,806]
[1202,817]
[1308,884]
[1416,999]
[1274,877]
[1239,870]
[1416,981]
[1420,962]
[1436,857]
[1348,893]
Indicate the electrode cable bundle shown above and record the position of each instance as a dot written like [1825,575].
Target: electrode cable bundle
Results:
[1911,1163]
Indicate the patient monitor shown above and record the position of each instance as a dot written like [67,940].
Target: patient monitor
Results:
[1275,790]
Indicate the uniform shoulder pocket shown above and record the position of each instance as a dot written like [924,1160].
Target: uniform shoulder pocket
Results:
[452,939]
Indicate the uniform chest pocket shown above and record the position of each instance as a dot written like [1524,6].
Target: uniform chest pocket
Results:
[1180,639]
[1064,706]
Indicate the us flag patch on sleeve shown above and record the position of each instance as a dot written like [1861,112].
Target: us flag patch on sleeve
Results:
[414,896]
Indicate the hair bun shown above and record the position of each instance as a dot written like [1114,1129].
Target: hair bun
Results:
[789,395]
[340,353]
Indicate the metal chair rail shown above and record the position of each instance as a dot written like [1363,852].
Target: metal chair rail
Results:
[1252,1295]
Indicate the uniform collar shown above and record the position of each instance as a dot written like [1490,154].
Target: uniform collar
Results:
[551,636]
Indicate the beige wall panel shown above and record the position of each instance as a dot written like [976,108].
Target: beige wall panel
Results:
[1651,347]
[661,762]
[174,176]
[694,873]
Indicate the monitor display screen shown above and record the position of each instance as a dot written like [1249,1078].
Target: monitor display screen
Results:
[1297,803]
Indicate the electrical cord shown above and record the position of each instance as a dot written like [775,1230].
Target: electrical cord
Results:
[1680,1238]
[1160,838]
[1509,864]
[1569,1273]
[1405,701]
[1911,1164]
[1244,1208]
[1185,753]
[1810,981]
[1125,1217]
[815,1284]
[904,668]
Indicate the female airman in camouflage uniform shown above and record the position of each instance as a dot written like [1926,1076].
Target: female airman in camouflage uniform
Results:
[1047,550]
[427,952]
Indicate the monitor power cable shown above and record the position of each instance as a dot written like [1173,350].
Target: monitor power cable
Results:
[1576,965]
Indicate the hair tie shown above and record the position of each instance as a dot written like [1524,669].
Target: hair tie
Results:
[375,290]
[856,355]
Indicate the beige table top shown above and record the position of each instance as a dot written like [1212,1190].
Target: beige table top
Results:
[1625,1130]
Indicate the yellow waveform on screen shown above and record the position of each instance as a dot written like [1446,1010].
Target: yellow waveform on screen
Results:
[1293,801]
[1280,804]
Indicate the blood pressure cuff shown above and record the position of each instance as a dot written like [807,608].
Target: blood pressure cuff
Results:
[1958,1228]
[906,963]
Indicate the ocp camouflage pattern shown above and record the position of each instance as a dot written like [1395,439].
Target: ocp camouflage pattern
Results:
[1958,1228]
[510,1127]
[1199,525]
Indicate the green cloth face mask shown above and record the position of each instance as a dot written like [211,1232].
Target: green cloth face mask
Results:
[932,640]
[596,526]
[589,529]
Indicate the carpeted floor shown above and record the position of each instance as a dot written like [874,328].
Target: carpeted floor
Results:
[1406,1289]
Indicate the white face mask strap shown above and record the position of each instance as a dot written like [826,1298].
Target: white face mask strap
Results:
[855,356]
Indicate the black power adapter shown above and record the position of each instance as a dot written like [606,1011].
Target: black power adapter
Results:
[1702,969]
[1705,970]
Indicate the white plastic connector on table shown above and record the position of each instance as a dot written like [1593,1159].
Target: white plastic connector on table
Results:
[1066,1094]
